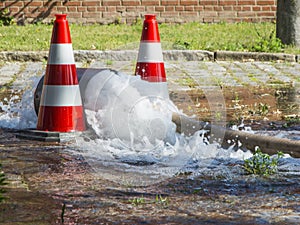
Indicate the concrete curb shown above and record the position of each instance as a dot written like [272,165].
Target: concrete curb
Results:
[254,56]
[169,55]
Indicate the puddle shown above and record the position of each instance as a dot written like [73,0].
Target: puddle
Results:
[114,175]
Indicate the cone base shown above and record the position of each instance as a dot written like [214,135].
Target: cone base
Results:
[55,119]
[48,136]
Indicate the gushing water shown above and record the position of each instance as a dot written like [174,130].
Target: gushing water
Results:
[131,137]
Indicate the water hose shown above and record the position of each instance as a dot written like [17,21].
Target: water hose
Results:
[226,137]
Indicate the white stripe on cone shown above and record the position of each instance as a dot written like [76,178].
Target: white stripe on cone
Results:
[61,95]
[61,54]
[150,52]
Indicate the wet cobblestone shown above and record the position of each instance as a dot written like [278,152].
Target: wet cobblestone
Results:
[203,73]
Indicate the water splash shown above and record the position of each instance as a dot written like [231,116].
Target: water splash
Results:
[134,137]
[131,137]
[17,107]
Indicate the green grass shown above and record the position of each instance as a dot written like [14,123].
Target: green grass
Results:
[191,36]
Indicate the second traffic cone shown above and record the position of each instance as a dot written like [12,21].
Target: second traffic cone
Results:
[61,105]
[150,65]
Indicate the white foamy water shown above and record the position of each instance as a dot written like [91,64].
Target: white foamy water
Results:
[131,137]
[17,110]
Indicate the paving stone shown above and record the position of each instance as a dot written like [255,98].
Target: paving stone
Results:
[230,73]
[8,71]
[32,70]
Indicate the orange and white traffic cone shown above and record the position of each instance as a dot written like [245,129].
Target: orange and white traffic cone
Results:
[150,64]
[61,107]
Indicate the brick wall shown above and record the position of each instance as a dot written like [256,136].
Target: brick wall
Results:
[112,11]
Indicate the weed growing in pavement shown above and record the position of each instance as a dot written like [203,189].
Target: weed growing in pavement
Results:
[63,213]
[2,183]
[160,200]
[187,81]
[291,120]
[262,163]
[263,109]
[109,62]
[137,201]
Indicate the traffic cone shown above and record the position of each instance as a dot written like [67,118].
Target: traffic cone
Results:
[61,105]
[150,65]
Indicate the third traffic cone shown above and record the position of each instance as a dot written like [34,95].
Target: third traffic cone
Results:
[61,105]
[150,65]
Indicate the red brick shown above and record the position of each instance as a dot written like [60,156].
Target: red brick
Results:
[110,14]
[121,8]
[13,9]
[150,9]
[227,14]
[150,2]
[246,8]
[266,2]
[91,8]
[73,3]
[218,8]
[170,2]
[189,8]
[101,9]
[130,2]
[227,8]
[245,14]
[61,8]
[111,3]
[210,14]
[198,8]
[189,14]
[161,8]
[227,2]
[169,8]
[90,15]
[35,3]
[92,3]
[81,9]
[256,8]
[208,2]
[188,2]
[266,14]
[72,9]
[110,9]
[131,8]
[237,8]
[74,15]
[179,8]
[140,8]
[169,14]
[265,8]
[13,3]
[246,2]
[208,8]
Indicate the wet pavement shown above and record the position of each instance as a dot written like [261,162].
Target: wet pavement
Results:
[184,75]
[245,86]
[49,185]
